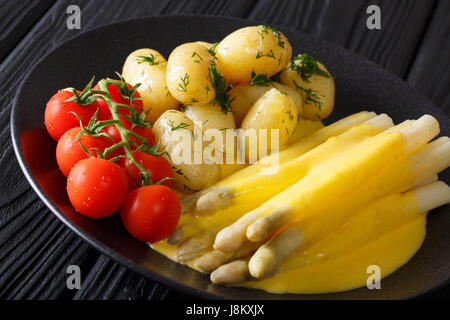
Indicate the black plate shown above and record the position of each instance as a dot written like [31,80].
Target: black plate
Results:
[360,85]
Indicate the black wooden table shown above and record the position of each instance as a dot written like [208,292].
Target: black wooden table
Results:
[36,248]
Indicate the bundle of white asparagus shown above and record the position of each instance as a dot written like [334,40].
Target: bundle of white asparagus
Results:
[248,224]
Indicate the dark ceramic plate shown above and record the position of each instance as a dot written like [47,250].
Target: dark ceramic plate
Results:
[360,85]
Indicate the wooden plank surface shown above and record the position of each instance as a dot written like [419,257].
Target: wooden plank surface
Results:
[430,70]
[16,19]
[36,248]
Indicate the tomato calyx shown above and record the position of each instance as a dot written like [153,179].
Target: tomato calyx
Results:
[85,97]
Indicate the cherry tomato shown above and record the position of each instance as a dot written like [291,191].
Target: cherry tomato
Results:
[151,213]
[97,187]
[58,116]
[69,151]
[142,131]
[116,96]
[157,167]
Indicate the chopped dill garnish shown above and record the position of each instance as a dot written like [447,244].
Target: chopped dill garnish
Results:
[196,54]
[212,49]
[208,89]
[149,59]
[306,66]
[220,84]
[311,95]
[289,112]
[185,82]
[266,29]
[259,54]
[182,125]
[263,80]
[259,80]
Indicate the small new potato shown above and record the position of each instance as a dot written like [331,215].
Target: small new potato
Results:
[314,82]
[207,45]
[273,110]
[259,49]
[243,96]
[148,67]
[189,175]
[211,116]
[188,74]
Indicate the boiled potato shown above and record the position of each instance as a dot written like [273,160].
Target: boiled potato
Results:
[259,49]
[188,74]
[212,117]
[190,176]
[148,67]
[314,82]
[304,128]
[273,110]
[243,96]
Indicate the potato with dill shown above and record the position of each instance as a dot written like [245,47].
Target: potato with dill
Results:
[189,74]
[260,49]
[243,96]
[175,132]
[210,116]
[273,110]
[148,67]
[314,82]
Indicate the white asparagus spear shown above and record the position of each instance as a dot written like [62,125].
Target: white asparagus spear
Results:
[195,246]
[232,273]
[215,258]
[426,163]
[428,197]
[413,136]
[223,192]
[188,203]
[248,193]
[437,158]
[292,171]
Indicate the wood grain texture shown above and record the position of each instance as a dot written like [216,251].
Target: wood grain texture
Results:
[430,70]
[35,248]
[16,19]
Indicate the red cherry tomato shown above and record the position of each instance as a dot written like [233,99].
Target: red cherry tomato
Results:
[157,167]
[97,187]
[116,96]
[58,116]
[151,213]
[69,151]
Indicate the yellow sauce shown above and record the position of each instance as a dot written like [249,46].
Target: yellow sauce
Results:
[369,225]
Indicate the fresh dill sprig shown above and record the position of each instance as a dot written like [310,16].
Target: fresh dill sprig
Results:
[212,49]
[311,95]
[306,66]
[196,54]
[270,54]
[150,59]
[182,125]
[259,80]
[182,86]
[220,84]
[263,80]
[266,29]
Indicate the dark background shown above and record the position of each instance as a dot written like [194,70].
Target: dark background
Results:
[36,248]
